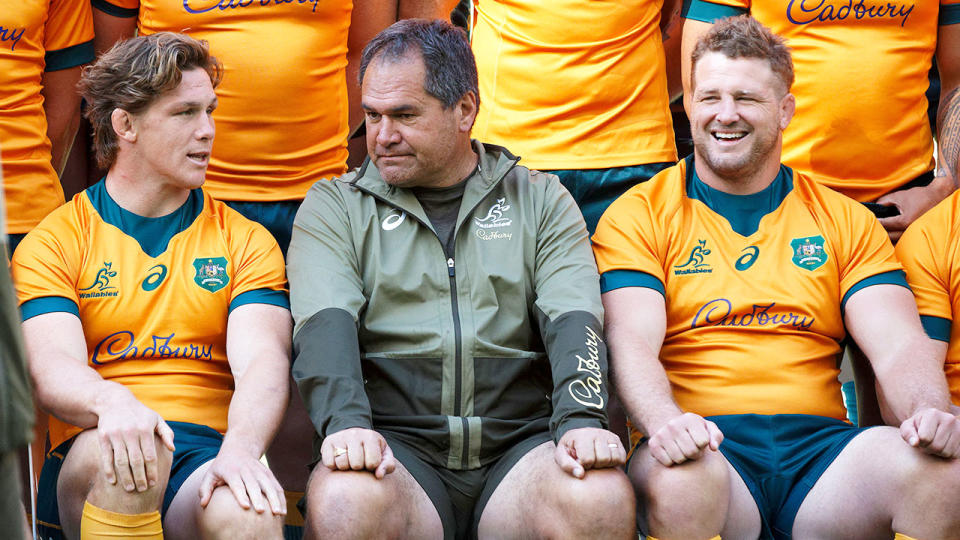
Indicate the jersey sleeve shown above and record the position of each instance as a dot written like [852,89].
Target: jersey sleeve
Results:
[118,8]
[258,265]
[46,267]
[864,253]
[710,11]
[923,252]
[949,12]
[68,35]
[629,245]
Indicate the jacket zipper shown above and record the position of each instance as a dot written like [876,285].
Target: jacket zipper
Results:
[457,331]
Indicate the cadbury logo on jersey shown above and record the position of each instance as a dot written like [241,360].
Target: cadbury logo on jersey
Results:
[203,6]
[719,312]
[11,36]
[695,262]
[101,287]
[120,346]
[806,12]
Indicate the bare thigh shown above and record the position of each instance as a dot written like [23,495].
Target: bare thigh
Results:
[742,520]
[878,484]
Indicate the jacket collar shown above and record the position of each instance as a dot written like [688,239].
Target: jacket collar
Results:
[494,164]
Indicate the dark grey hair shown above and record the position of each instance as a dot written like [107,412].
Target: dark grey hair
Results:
[451,69]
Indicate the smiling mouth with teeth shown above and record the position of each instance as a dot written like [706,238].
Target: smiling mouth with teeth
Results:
[729,136]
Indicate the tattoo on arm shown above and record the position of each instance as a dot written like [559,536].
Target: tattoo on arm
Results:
[948,133]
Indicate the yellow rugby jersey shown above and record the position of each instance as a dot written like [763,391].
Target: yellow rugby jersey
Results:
[754,286]
[35,36]
[152,295]
[282,114]
[573,84]
[930,253]
[861,123]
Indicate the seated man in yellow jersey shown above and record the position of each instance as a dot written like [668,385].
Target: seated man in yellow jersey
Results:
[156,321]
[928,252]
[729,283]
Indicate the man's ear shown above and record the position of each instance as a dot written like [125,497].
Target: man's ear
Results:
[123,125]
[467,107]
[788,105]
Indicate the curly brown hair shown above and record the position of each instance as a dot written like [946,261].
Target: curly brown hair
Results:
[132,74]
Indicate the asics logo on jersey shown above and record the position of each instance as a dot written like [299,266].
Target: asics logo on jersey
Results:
[747,259]
[695,262]
[101,282]
[393,221]
[494,217]
[154,278]
[203,6]
[11,35]
[806,12]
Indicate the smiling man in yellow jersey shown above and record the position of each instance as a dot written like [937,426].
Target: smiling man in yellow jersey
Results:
[156,321]
[729,282]
[930,256]
[42,45]
[578,89]
[861,125]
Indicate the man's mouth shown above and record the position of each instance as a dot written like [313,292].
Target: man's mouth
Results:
[728,136]
[199,157]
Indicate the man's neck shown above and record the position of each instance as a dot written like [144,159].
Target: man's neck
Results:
[753,181]
[142,194]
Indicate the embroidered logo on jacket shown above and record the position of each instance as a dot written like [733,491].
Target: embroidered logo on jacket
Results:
[393,221]
[211,273]
[494,217]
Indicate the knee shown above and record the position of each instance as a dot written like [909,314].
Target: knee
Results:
[341,501]
[601,505]
[225,518]
[691,490]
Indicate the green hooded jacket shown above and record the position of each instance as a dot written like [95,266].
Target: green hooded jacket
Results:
[463,354]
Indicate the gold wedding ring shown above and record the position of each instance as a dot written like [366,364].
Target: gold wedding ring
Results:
[337,451]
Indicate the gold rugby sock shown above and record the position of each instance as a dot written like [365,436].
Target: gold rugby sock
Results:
[100,524]
[901,536]
[294,517]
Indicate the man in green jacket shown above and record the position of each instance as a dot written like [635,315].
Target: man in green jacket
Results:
[448,325]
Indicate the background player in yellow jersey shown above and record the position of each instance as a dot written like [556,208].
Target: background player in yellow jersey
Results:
[930,253]
[729,282]
[156,322]
[42,45]
[861,125]
[578,89]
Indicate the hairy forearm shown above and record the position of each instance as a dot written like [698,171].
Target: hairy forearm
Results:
[257,407]
[640,380]
[948,135]
[911,378]
[77,394]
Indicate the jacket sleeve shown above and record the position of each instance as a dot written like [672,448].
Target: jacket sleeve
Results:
[569,314]
[326,298]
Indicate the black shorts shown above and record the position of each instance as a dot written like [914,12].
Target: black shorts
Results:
[460,496]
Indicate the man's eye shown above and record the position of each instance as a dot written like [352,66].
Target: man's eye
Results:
[373,116]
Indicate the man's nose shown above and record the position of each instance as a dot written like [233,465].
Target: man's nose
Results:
[387,133]
[206,129]
[727,110]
